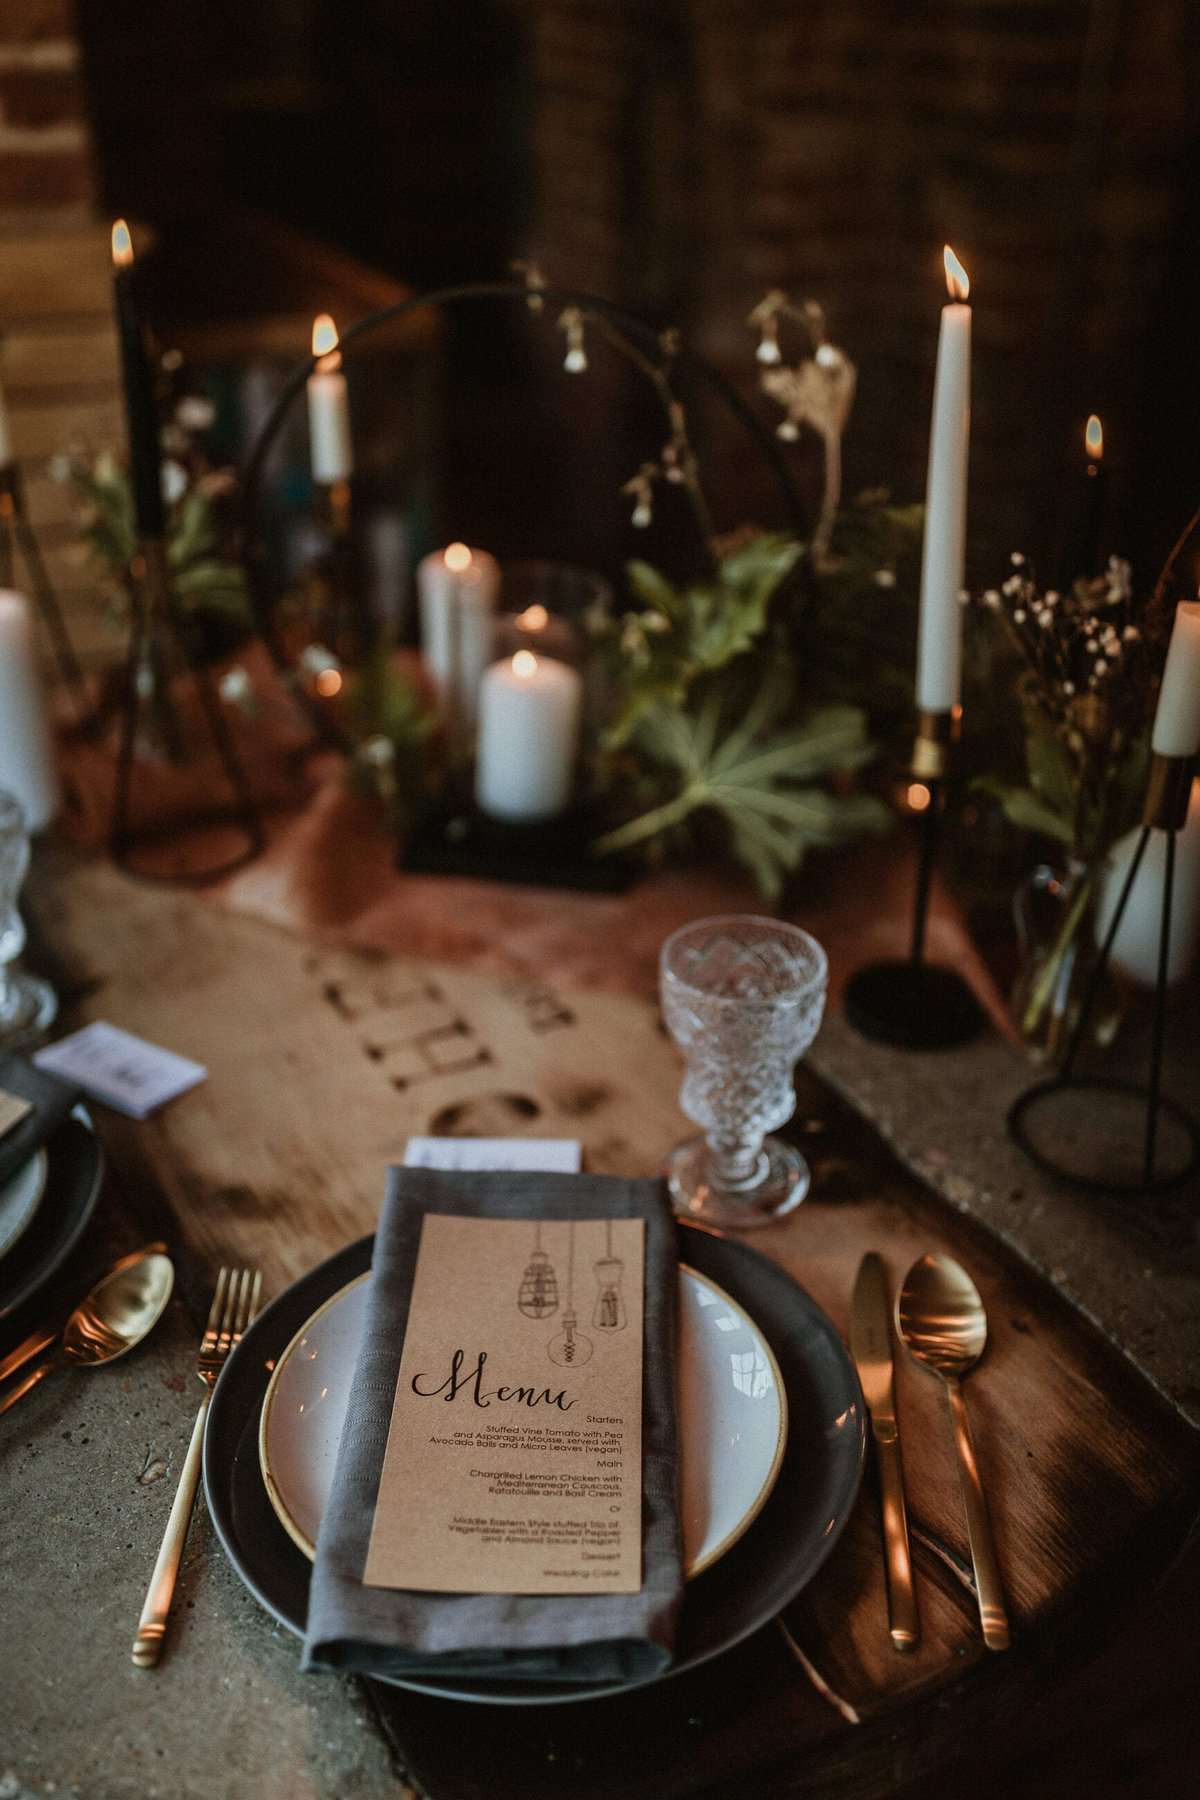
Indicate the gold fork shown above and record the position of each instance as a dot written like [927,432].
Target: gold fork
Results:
[234,1304]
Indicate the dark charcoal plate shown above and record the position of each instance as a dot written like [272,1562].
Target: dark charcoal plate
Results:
[783,1549]
[73,1176]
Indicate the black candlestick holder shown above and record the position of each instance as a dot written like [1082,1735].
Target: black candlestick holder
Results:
[157,650]
[1110,1170]
[17,534]
[915,1004]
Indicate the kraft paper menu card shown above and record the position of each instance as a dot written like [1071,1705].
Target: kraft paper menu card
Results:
[476,1635]
[514,1454]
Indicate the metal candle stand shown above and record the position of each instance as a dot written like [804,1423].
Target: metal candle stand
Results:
[1165,810]
[16,533]
[150,597]
[915,1004]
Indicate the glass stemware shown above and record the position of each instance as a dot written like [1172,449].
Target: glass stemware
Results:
[27,1004]
[742,997]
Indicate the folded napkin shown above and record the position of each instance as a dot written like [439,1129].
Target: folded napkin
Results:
[536,1637]
[51,1100]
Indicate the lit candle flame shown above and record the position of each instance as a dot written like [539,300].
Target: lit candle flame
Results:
[957,281]
[918,796]
[325,343]
[534,618]
[1093,439]
[524,664]
[458,559]
[122,244]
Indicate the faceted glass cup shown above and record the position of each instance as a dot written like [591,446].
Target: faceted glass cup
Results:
[742,997]
[27,1004]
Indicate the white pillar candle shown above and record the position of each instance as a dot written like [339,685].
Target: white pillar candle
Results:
[1177,720]
[528,736]
[1135,947]
[457,589]
[939,640]
[329,408]
[26,755]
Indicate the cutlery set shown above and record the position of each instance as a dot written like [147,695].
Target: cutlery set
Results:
[940,1317]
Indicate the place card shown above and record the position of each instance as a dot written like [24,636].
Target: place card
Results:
[120,1070]
[12,1110]
[494,1153]
[514,1455]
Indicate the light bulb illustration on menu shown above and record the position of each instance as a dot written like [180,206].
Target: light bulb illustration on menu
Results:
[609,1314]
[570,1349]
[537,1296]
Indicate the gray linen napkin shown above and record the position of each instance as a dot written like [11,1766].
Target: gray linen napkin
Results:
[534,1637]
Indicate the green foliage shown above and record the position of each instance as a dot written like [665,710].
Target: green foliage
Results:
[681,634]
[394,724]
[759,779]
[204,580]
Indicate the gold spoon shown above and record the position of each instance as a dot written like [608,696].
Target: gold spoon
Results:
[940,1316]
[117,1314]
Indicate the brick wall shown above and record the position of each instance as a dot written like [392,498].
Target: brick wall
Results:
[45,148]
[692,154]
[58,358]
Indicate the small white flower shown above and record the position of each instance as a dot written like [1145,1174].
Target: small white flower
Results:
[1017,559]
[828,357]
[234,686]
[575,361]
[1019,615]
[315,659]
[885,578]
[1052,597]
[1045,620]
[641,514]
[1101,666]
[1011,586]
[789,431]
[379,751]
[1131,634]
[655,622]
[174,482]
[768,350]
[1068,688]
[195,413]
[991,600]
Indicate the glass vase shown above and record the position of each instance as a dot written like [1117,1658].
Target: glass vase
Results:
[1055,913]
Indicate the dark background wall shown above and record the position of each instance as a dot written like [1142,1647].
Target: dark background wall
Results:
[686,155]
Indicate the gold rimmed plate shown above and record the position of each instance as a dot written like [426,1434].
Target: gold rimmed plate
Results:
[732,1416]
[754,1579]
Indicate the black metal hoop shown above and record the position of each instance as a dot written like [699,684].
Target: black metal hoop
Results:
[1092,1184]
[645,336]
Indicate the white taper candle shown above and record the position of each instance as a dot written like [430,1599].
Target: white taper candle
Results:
[330,446]
[1177,720]
[939,640]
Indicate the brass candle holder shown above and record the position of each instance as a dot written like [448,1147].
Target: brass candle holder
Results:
[1166,808]
[915,1004]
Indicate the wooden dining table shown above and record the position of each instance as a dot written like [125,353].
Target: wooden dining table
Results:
[455,1008]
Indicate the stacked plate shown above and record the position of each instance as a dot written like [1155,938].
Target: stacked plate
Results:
[771,1430]
[44,1208]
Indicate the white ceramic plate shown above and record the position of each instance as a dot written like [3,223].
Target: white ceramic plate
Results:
[20,1198]
[732,1417]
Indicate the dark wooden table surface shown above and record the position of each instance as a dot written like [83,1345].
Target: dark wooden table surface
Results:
[323,1059]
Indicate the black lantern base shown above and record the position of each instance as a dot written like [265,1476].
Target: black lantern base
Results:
[1087,1130]
[461,840]
[914,1005]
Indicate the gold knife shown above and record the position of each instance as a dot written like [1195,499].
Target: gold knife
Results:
[871,1342]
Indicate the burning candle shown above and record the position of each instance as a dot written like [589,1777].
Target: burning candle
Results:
[141,403]
[1085,525]
[1177,720]
[457,590]
[939,641]
[328,408]
[528,736]
[536,628]
[26,757]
